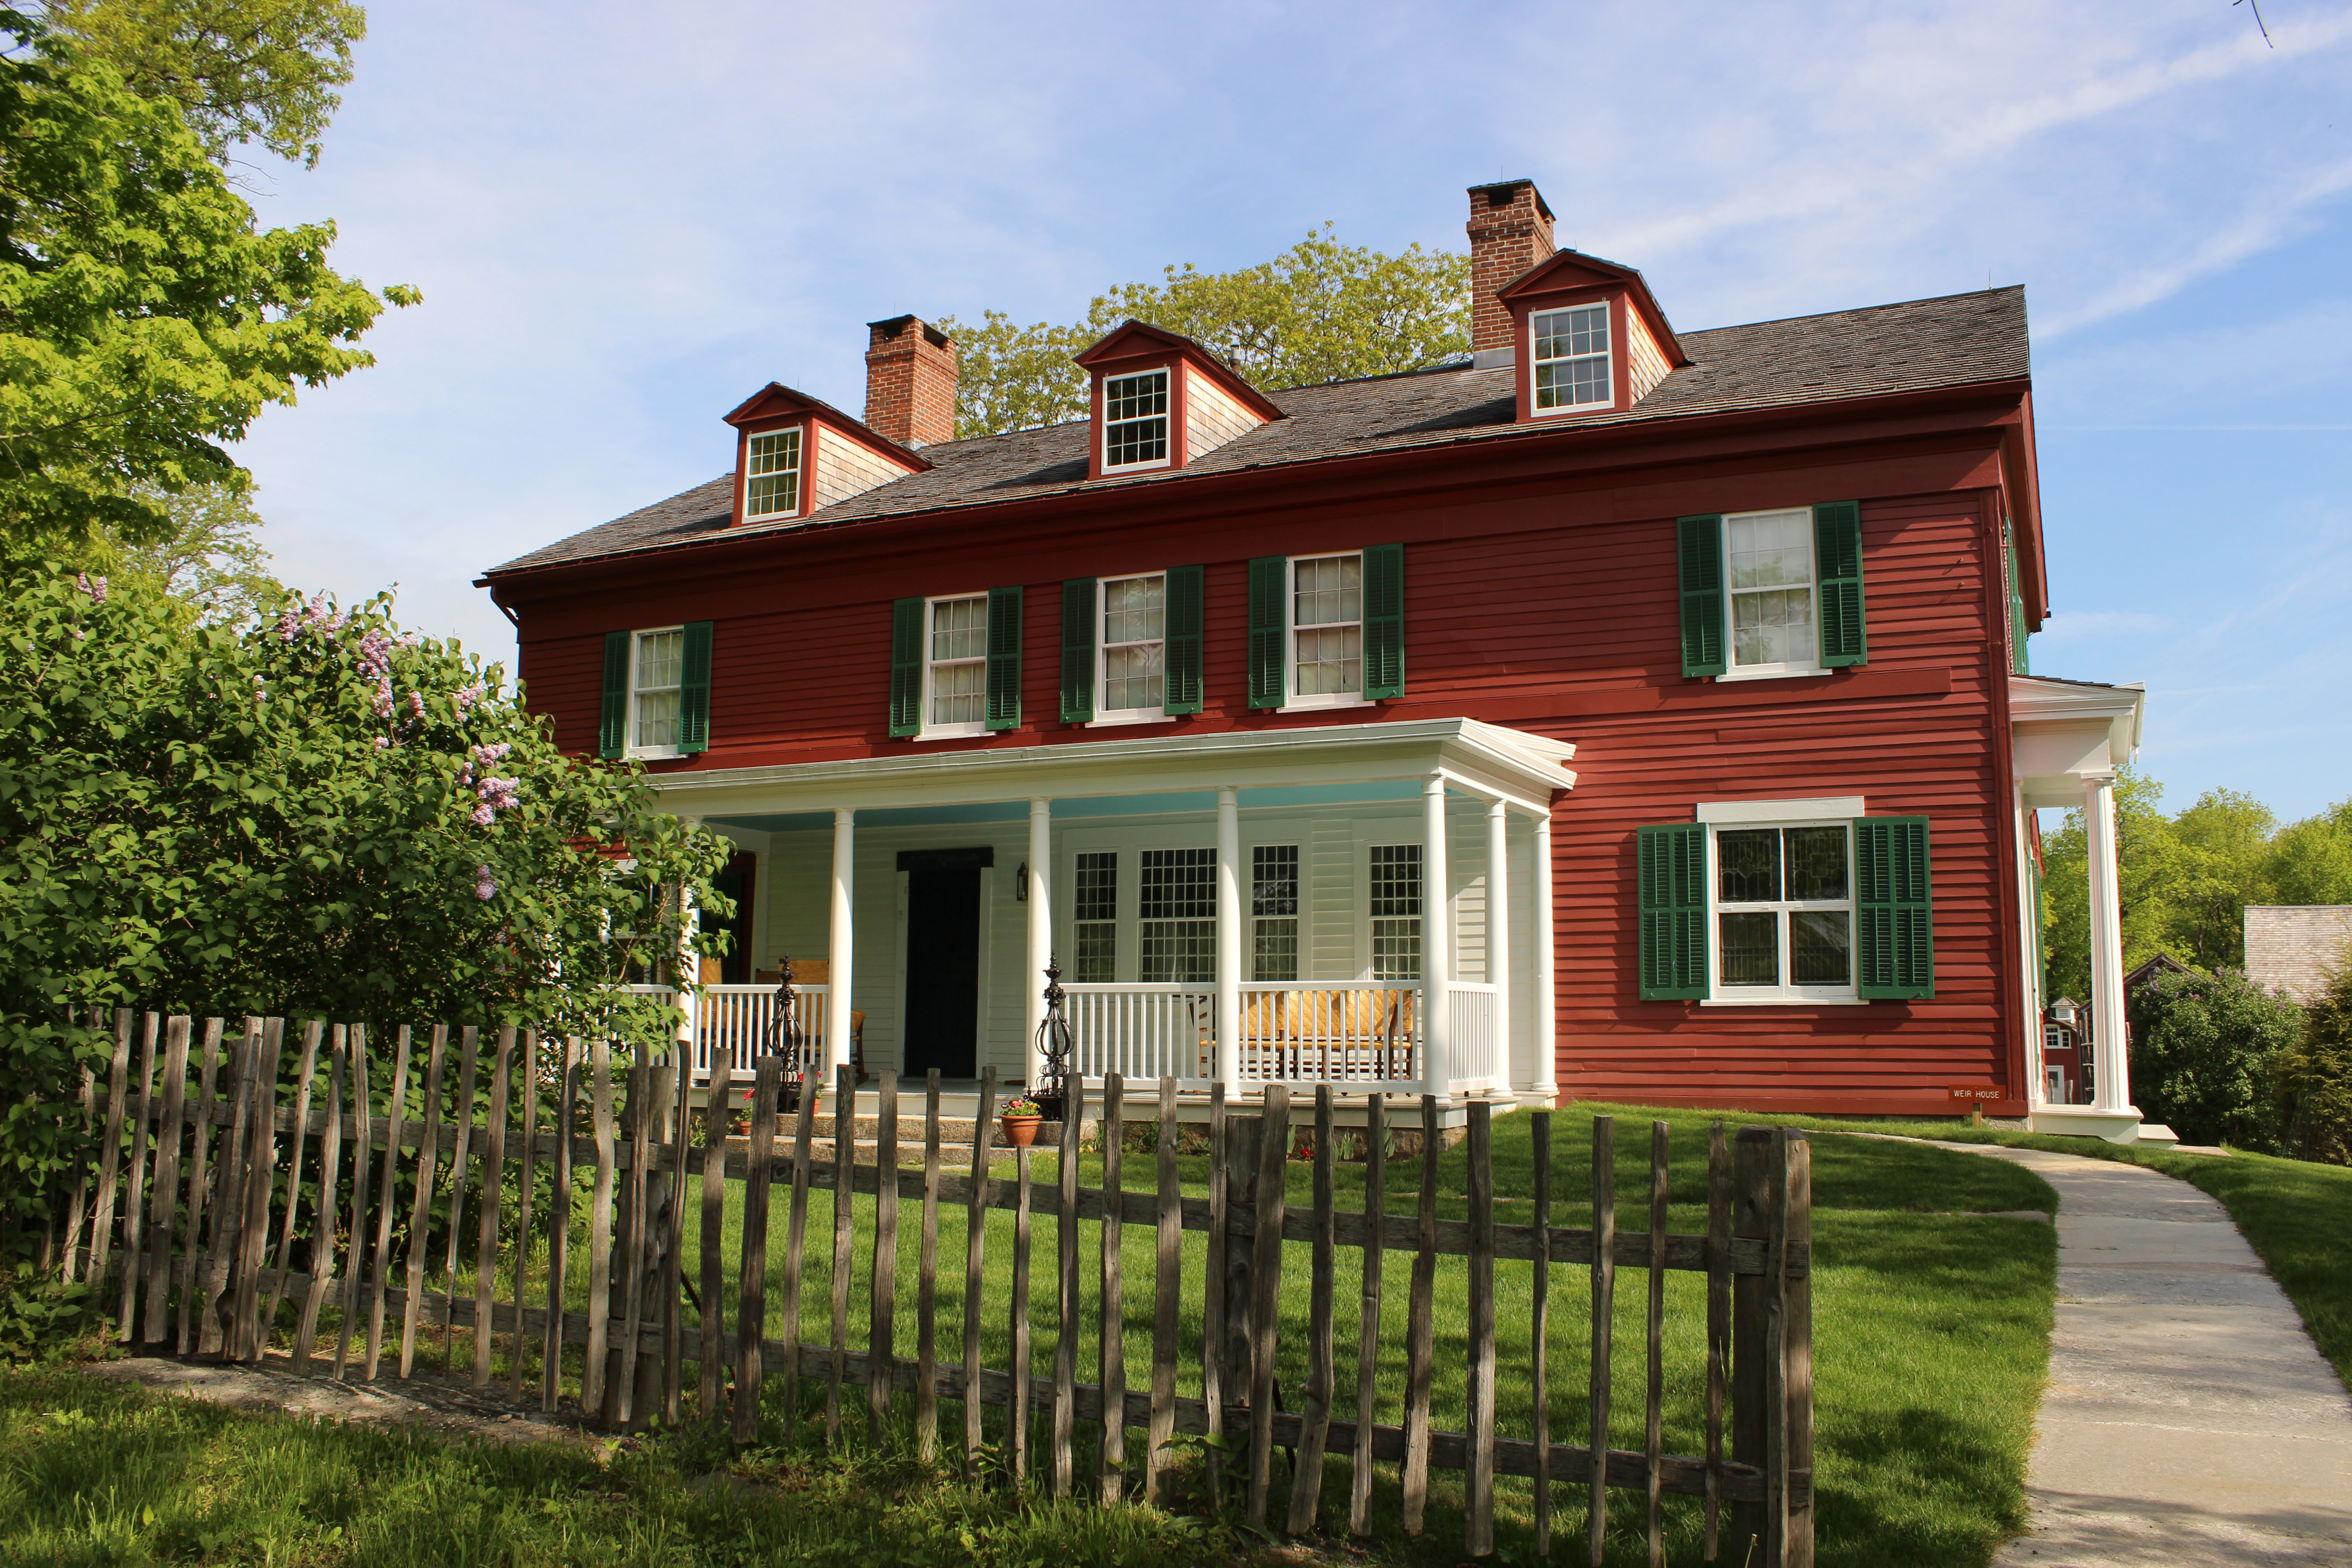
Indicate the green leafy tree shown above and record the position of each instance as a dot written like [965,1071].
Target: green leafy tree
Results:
[240,70]
[2204,1050]
[310,814]
[2313,1078]
[1319,311]
[2310,862]
[2142,836]
[144,319]
[210,565]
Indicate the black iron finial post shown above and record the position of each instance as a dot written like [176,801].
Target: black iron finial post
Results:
[1055,1044]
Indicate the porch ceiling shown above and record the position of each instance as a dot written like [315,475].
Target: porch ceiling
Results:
[1484,759]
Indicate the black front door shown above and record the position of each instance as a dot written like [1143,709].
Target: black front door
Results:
[942,969]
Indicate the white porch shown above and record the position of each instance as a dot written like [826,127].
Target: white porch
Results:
[1227,913]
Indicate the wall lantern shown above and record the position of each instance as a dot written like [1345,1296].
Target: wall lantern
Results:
[1021,884]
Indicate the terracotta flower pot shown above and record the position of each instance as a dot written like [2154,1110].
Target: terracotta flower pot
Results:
[1020,1132]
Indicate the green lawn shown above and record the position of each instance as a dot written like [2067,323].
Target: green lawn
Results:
[1931,1326]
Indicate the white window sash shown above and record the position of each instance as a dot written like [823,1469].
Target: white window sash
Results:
[932,730]
[1606,358]
[636,648]
[797,468]
[1104,647]
[1787,992]
[1810,664]
[1291,696]
[1166,416]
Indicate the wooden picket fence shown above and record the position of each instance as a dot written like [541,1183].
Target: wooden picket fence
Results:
[209,1189]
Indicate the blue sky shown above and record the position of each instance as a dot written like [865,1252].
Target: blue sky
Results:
[624,219]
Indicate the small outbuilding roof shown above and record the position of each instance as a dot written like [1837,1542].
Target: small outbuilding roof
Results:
[2291,947]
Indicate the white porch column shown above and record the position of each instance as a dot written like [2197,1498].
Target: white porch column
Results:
[2112,1063]
[1229,940]
[1543,1005]
[840,941]
[1436,944]
[1498,928]
[1041,935]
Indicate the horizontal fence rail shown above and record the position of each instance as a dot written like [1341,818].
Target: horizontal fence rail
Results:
[262,1181]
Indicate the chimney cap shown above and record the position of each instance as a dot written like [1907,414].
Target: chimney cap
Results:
[1503,193]
[888,329]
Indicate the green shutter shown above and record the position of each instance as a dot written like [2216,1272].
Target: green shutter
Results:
[906,667]
[1894,941]
[1187,595]
[693,691]
[613,734]
[1383,620]
[1266,586]
[1004,659]
[1699,566]
[2018,663]
[1078,650]
[1673,871]
[1837,569]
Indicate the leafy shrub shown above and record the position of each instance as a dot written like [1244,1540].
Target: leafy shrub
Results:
[40,1315]
[2312,1079]
[2202,1054]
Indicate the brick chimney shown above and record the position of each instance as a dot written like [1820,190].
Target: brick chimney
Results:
[1510,231]
[910,382]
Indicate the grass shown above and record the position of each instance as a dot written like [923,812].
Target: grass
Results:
[1931,1331]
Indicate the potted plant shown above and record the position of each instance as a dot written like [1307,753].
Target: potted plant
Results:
[1018,1120]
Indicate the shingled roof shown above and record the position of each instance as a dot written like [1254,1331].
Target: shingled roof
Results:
[1956,341]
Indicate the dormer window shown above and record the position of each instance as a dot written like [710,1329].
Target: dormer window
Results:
[1571,358]
[772,472]
[1135,420]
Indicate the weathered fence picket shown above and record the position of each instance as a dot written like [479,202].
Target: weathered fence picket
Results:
[236,1225]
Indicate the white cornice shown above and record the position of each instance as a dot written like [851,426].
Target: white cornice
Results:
[2034,698]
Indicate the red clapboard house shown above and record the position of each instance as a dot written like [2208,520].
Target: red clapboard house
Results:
[1618,714]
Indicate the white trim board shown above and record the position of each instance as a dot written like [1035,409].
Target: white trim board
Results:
[1745,811]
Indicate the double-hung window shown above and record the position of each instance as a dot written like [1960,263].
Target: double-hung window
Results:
[1177,916]
[1327,628]
[1134,421]
[1783,926]
[656,668]
[1134,645]
[772,475]
[1571,359]
[1395,907]
[1274,912]
[1094,918]
[955,676]
[1769,554]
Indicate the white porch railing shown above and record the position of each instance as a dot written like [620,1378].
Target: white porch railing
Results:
[1475,1020]
[1142,1032]
[741,1019]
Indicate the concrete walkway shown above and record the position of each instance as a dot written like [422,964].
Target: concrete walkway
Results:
[2190,1420]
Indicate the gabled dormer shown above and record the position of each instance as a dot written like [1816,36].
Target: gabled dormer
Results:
[1160,400]
[796,456]
[1587,338]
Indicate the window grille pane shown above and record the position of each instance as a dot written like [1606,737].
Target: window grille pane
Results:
[1179,884]
[958,693]
[1274,956]
[1096,962]
[1133,677]
[960,628]
[1572,357]
[1774,550]
[1135,419]
[1396,949]
[1562,335]
[656,718]
[1820,942]
[1330,661]
[1330,591]
[1751,949]
[772,474]
[660,655]
[1134,609]
[1098,889]
[1273,880]
[1816,864]
[1750,865]
[1179,951]
[1396,880]
[1773,627]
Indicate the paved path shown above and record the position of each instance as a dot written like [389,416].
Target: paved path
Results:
[2189,1420]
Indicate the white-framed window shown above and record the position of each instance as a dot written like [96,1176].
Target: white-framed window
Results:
[1571,358]
[771,474]
[1134,421]
[1325,636]
[1274,912]
[1131,646]
[1768,577]
[1176,911]
[1780,911]
[1094,918]
[955,666]
[1393,900]
[657,663]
